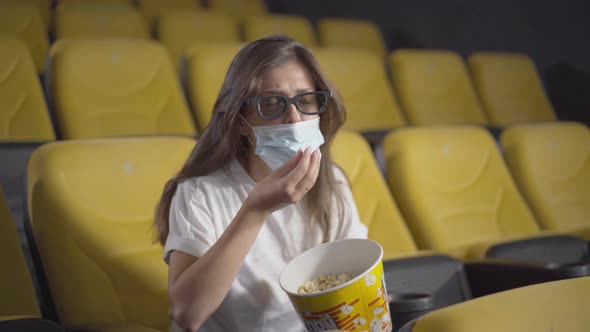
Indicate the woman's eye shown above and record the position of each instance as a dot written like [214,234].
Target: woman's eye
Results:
[270,101]
[308,100]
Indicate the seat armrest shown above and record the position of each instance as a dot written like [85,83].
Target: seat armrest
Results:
[549,249]
[496,275]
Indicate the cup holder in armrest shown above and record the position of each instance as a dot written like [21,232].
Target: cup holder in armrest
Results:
[405,302]
[405,307]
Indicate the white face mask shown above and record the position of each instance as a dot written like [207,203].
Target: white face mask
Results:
[278,143]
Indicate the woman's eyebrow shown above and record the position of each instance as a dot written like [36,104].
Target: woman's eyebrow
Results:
[271,92]
[305,90]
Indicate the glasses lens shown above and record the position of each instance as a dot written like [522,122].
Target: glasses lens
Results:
[272,107]
[312,103]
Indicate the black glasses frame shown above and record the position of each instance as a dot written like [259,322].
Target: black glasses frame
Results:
[255,101]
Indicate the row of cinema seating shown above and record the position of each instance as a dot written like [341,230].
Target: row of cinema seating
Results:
[106,88]
[119,87]
[506,88]
[453,203]
[507,84]
[177,23]
[88,78]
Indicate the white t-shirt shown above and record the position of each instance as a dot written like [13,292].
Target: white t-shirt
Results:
[203,207]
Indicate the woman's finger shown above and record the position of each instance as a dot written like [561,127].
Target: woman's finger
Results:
[308,181]
[297,173]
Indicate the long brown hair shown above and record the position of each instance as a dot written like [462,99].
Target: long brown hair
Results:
[221,142]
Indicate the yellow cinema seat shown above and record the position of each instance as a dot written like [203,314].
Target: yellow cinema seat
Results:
[16,285]
[457,196]
[23,115]
[116,87]
[24,20]
[359,76]
[420,280]
[238,9]
[375,204]
[99,21]
[296,27]
[349,33]
[91,204]
[154,9]
[19,308]
[24,119]
[44,7]
[95,2]
[206,66]
[179,30]
[434,88]
[550,163]
[510,88]
[553,306]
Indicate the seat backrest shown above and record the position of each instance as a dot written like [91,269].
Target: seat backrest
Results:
[453,187]
[116,87]
[238,9]
[434,88]
[550,163]
[16,285]
[553,306]
[349,33]
[206,67]
[44,7]
[179,30]
[377,209]
[441,278]
[510,88]
[296,27]
[23,20]
[359,76]
[24,119]
[154,9]
[96,2]
[92,205]
[23,111]
[99,20]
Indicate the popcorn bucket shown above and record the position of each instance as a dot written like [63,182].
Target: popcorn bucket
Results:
[357,305]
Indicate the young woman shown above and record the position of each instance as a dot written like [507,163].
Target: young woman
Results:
[258,190]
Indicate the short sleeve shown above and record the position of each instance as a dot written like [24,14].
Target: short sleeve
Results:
[350,224]
[190,227]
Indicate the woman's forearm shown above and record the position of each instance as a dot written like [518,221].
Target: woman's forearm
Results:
[199,290]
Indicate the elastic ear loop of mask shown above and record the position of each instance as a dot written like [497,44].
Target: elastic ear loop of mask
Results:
[248,124]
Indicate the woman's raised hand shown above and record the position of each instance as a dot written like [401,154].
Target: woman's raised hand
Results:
[288,183]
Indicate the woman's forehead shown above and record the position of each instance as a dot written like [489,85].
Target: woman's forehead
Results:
[290,77]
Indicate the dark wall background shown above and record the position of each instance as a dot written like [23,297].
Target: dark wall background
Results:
[556,34]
